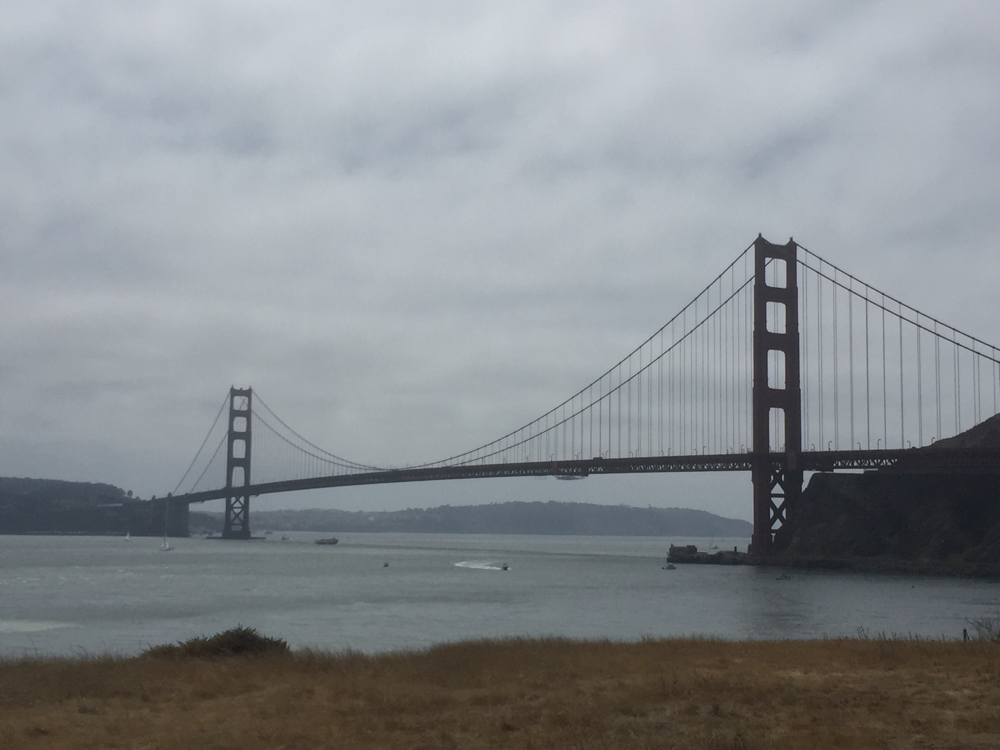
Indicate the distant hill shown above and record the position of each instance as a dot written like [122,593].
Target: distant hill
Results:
[582,519]
[52,506]
[47,506]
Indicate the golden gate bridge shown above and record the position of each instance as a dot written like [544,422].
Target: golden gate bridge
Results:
[783,364]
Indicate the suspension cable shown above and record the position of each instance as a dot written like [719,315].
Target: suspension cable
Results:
[333,457]
[202,447]
[205,470]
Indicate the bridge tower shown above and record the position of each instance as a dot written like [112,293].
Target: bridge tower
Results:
[237,521]
[777,469]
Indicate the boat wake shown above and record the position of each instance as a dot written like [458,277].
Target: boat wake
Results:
[27,626]
[481,565]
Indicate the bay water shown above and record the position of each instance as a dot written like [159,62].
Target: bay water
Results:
[76,595]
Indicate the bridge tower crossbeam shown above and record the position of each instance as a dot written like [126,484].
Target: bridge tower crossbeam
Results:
[777,469]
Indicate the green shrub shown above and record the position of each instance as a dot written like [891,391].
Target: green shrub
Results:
[238,641]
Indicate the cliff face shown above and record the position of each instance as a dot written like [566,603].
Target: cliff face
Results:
[916,522]
[936,523]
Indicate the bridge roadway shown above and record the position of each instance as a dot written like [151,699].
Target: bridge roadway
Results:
[924,460]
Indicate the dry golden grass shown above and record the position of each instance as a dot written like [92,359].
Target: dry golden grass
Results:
[520,694]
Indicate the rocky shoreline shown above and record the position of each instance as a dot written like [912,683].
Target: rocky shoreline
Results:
[897,520]
[691,555]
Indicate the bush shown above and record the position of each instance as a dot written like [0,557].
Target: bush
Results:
[238,641]
[986,628]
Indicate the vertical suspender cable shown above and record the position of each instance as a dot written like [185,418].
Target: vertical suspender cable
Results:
[850,349]
[590,419]
[804,350]
[957,377]
[976,379]
[699,380]
[728,441]
[709,370]
[683,405]
[619,411]
[571,424]
[671,368]
[629,399]
[659,400]
[937,379]
[638,405]
[836,368]
[868,378]
[717,416]
[902,411]
[703,379]
[920,390]
[738,366]
[650,391]
[608,395]
[748,381]
[885,400]
[819,351]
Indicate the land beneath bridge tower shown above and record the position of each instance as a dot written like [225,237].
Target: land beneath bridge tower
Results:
[901,520]
[891,523]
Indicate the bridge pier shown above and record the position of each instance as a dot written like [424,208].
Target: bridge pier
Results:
[236,524]
[169,517]
[777,469]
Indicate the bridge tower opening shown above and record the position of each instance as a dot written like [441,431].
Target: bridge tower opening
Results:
[777,404]
[237,521]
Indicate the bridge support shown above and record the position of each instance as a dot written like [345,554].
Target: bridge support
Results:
[237,521]
[169,517]
[777,405]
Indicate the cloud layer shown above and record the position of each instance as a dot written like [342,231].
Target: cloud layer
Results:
[413,227]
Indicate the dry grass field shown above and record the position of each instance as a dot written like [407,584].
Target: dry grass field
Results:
[688,693]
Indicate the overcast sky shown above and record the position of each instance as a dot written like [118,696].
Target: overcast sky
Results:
[412,227]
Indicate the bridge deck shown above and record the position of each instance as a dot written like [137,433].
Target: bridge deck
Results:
[910,460]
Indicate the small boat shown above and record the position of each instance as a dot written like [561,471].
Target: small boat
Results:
[712,544]
[165,547]
[503,567]
[328,540]
[669,566]
[128,536]
[783,577]
[385,565]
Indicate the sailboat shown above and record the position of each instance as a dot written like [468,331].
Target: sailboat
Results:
[165,547]
[712,544]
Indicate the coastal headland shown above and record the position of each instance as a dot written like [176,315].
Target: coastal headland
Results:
[881,692]
[901,521]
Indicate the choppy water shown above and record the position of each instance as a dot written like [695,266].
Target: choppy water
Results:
[88,595]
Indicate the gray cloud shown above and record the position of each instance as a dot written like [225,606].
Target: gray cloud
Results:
[414,227]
